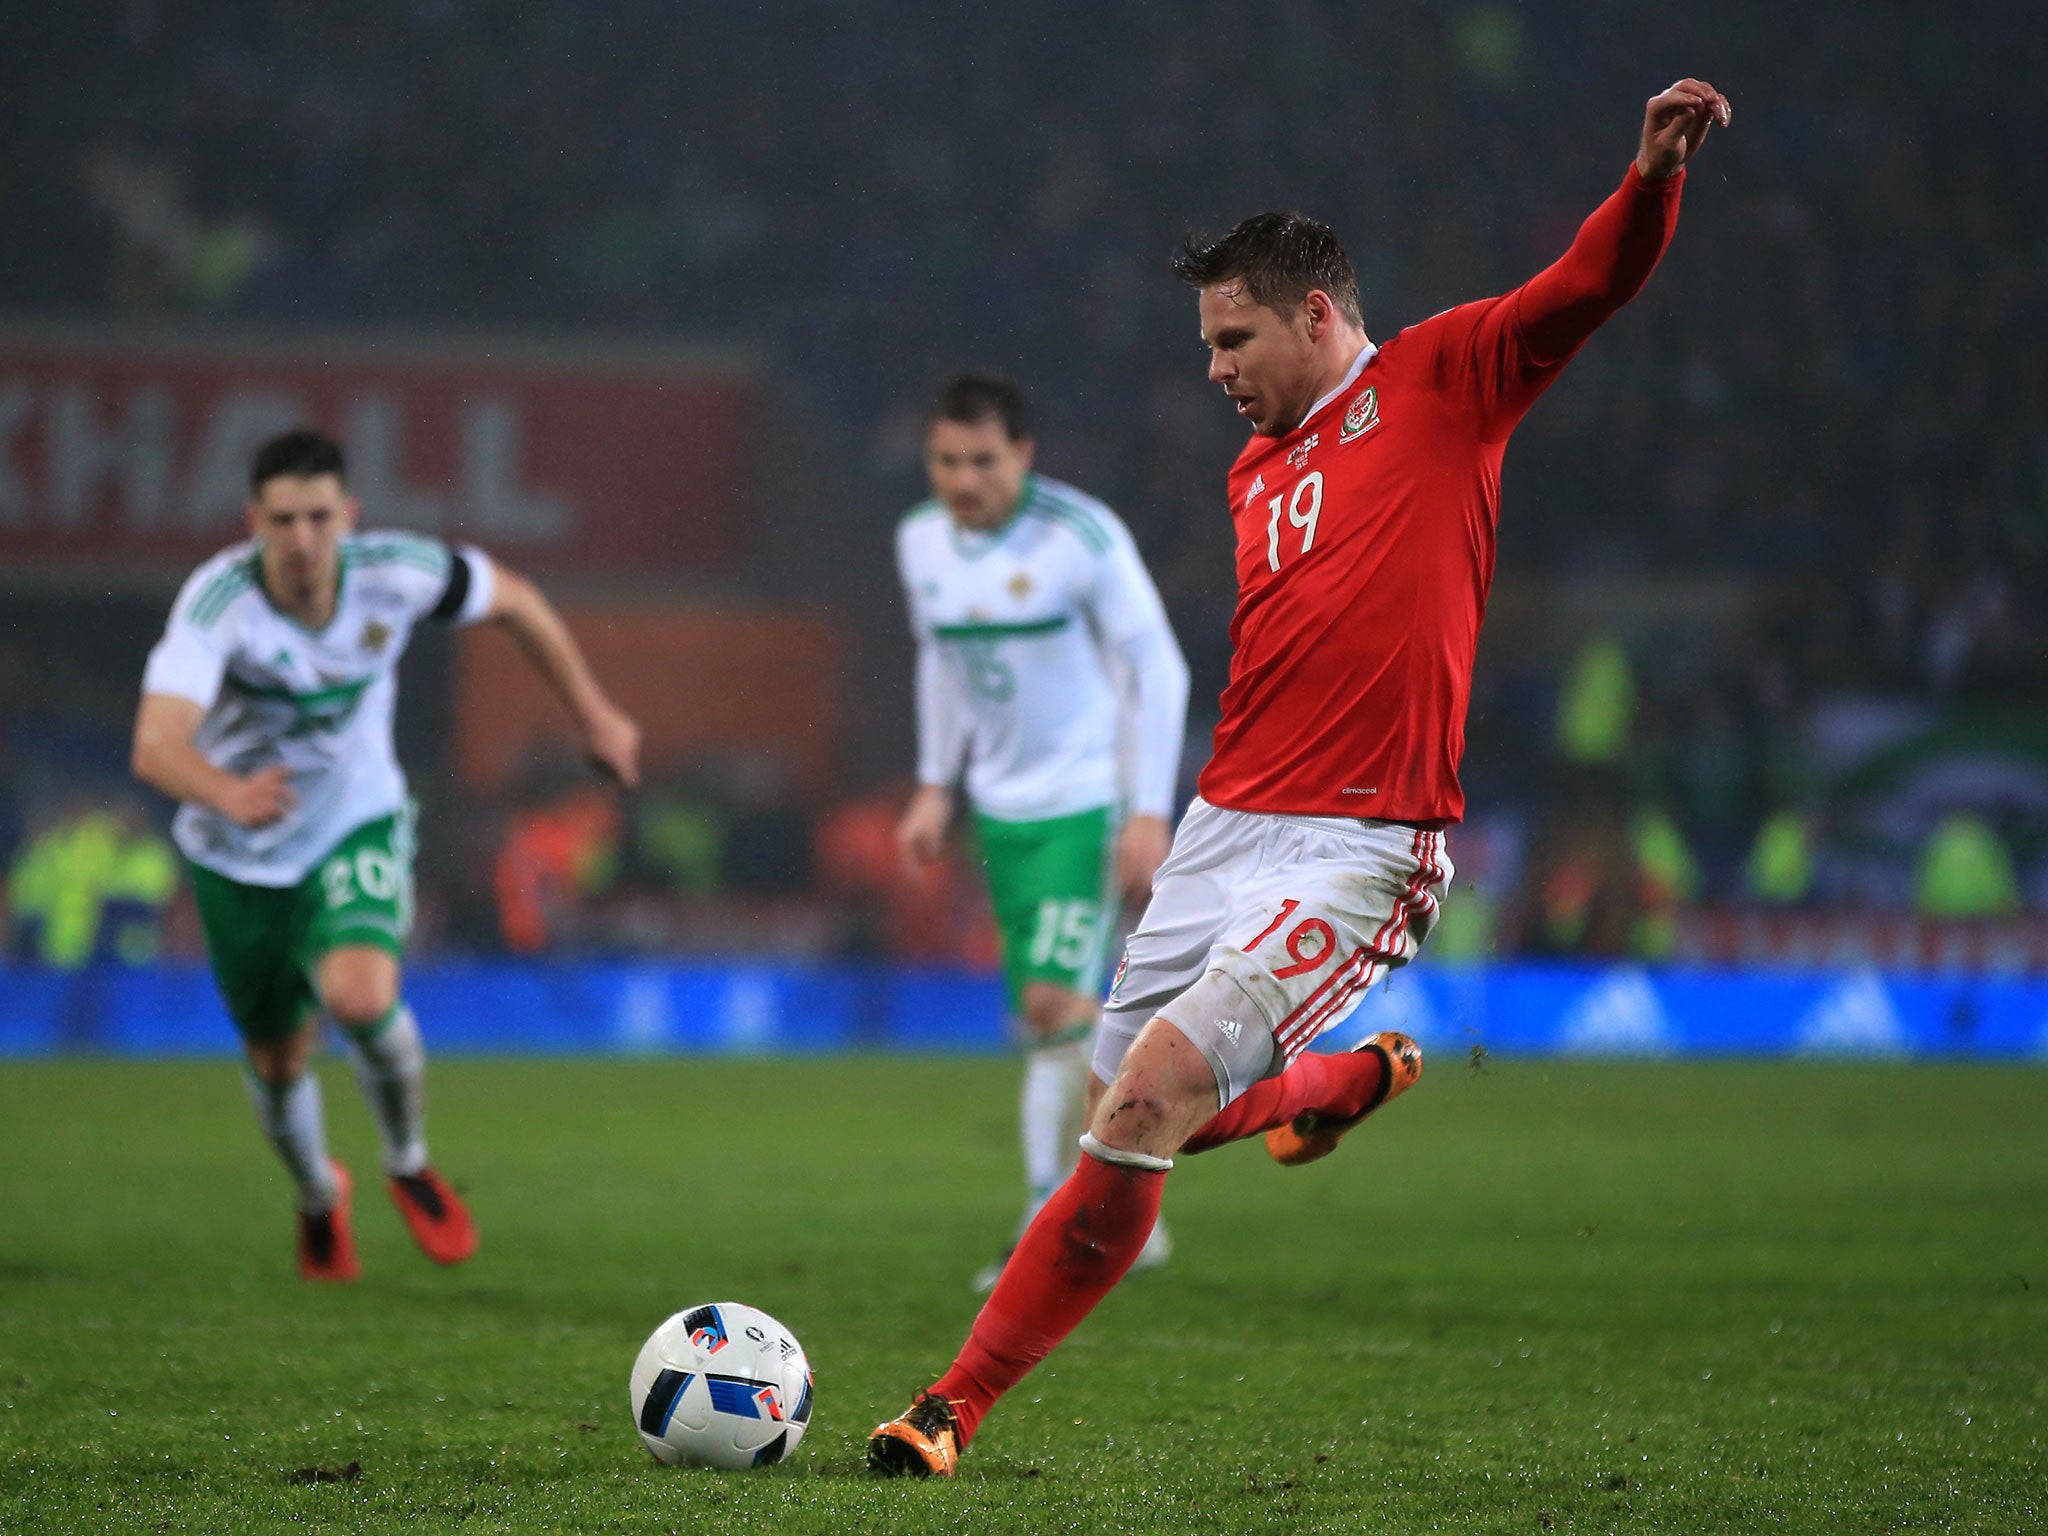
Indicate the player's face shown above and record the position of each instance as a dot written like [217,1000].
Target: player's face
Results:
[1265,361]
[977,469]
[300,521]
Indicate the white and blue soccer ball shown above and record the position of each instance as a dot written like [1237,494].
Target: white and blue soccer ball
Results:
[721,1385]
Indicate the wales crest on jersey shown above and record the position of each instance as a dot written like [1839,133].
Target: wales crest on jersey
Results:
[1361,415]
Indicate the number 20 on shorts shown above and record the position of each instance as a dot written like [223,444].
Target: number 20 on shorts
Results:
[376,874]
[1303,958]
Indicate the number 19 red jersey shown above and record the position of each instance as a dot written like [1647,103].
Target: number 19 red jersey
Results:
[1365,541]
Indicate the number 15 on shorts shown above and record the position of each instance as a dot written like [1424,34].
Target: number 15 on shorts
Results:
[1065,935]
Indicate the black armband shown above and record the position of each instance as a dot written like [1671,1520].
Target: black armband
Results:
[456,593]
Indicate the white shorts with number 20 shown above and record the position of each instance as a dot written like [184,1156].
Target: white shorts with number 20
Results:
[1302,913]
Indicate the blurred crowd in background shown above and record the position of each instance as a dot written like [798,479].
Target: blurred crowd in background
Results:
[1769,631]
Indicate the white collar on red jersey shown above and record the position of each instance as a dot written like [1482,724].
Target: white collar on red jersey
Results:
[1350,378]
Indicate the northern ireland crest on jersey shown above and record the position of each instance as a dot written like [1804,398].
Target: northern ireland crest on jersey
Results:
[1019,586]
[375,636]
[1361,415]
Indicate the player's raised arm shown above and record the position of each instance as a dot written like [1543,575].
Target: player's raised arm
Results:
[1620,244]
[609,733]
[165,758]
[1675,125]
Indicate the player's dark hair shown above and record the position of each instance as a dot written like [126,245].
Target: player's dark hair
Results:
[975,397]
[300,453]
[1278,257]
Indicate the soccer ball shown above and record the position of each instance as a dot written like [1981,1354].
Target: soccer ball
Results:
[722,1385]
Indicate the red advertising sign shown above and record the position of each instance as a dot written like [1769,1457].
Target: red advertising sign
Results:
[135,451]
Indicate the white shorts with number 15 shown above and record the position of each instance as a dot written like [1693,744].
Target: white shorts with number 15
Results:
[1284,921]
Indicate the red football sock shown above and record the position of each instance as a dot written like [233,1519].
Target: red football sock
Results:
[1076,1248]
[1338,1086]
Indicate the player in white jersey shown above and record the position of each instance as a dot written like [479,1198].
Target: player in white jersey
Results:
[266,711]
[1050,686]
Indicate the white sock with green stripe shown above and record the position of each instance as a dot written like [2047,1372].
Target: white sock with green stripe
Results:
[292,1117]
[1050,1112]
[391,1067]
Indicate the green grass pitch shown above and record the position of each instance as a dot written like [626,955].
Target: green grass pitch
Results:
[1541,1296]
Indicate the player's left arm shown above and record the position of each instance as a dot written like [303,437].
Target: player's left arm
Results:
[1132,622]
[1619,246]
[609,734]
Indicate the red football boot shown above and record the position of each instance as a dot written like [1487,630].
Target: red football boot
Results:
[327,1248]
[440,1224]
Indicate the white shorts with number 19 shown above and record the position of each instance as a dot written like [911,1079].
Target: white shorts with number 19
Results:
[1297,916]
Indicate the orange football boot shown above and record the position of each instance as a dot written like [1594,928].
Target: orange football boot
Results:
[327,1248]
[924,1441]
[1309,1135]
[439,1221]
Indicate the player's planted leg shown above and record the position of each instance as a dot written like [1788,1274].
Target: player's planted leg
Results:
[1158,1250]
[1081,1244]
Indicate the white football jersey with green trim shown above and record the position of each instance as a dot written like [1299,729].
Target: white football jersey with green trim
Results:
[320,703]
[1030,638]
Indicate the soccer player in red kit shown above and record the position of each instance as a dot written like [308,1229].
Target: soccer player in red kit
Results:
[1312,861]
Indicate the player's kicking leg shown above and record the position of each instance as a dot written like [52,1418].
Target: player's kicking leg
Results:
[1238,997]
[1316,1129]
[359,986]
[1093,1230]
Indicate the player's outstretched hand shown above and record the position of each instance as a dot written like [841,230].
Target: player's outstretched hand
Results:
[613,742]
[1675,125]
[1140,850]
[921,834]
[260,798]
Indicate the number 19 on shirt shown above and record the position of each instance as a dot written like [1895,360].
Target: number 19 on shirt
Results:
[1302,507]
